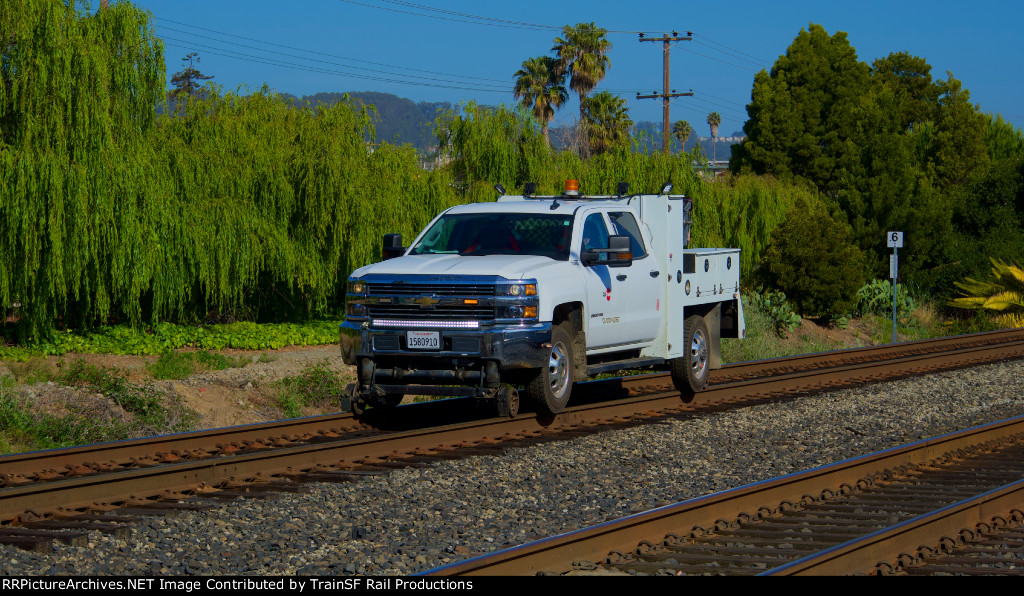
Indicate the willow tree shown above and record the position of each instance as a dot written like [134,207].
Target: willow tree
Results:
[76,107]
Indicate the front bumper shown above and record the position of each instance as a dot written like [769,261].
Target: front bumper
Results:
[512,347]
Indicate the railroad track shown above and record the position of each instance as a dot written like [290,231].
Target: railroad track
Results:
[952,504]
[159,473]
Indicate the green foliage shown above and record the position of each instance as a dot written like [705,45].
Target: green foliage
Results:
[773,305]
[145,402]
[22,429]
[178,365]
[1004,295]
[889,146]
[682,130]
[188,80]
[244,207]
[35,369]
[763,341]
[582,52]
[396,120]
[741,212]
[811,259]
[540,89]
[315,385]
[76,114]
[875,298]
[800,113]
[162,337]
[607,121]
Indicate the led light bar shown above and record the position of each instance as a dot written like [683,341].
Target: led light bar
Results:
[427,323]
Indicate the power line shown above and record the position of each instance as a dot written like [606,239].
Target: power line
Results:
[665,95]
[754,62]
[314,52]
[714,107]
[477,21]
[755,58]
[431,79]
[737,103]
[426,78]
[463,17]
[720,60]
[188,45]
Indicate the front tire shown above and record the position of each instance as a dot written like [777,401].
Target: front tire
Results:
[551,387]
[690,373]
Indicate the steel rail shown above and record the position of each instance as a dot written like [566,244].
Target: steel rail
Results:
[128,451]
[556,554]
[862,354]
[865,554]
[88,490]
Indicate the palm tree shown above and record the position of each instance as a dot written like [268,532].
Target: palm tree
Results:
[582,53]
[713,121]
[1005,295]
[682,131]
[541,90]
[608,121]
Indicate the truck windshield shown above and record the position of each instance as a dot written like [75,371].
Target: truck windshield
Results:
[498,234]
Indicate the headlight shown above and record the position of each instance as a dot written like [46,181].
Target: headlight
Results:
[356,287]
[518,311]
[519,290]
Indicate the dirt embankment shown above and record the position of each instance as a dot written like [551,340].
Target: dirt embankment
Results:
[238,395]
[250,393]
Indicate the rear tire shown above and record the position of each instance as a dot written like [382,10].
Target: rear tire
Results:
[690,372]
[552,385]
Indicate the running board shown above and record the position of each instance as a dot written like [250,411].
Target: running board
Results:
[603,367]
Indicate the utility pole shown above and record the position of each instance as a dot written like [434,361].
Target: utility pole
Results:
[665,95]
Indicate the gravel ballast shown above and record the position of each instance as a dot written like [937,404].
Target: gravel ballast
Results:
[414,519]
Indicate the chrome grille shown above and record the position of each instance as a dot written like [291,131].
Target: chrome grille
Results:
[416,289]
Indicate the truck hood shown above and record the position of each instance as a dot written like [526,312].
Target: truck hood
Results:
[507,266]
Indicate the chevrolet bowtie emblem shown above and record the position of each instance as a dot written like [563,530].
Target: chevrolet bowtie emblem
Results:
[426,301]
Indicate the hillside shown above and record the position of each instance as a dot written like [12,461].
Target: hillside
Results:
[399,121]
[403,121]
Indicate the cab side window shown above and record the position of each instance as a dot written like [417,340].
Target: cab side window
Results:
[624,224]
[595,234]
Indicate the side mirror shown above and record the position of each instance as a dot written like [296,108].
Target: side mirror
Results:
[619,253]
[392,246]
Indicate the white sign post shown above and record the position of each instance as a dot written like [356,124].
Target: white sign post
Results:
[894,240]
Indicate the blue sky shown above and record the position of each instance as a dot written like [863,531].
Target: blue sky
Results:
[439,50]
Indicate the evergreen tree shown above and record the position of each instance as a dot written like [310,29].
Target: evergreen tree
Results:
[188,81]
[886,144]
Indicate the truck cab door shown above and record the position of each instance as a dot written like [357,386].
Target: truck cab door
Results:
[606,296]
[642,282]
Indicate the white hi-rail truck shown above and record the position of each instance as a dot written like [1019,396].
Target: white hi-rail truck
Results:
[537,293]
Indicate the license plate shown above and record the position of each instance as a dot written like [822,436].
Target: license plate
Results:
[423,340]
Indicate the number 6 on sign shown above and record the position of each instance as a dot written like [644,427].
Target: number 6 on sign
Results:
[894,239]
